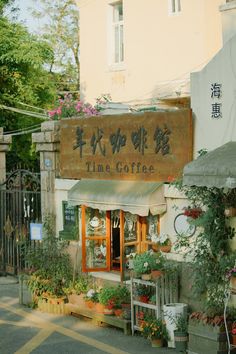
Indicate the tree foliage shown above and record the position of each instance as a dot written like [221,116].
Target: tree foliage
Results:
[61,31]
[23,79]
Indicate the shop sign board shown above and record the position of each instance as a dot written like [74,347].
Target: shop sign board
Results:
[151,146]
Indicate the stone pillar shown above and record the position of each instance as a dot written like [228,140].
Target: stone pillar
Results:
[5,141]
[48,144]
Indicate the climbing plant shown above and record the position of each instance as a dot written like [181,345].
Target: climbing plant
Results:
[208,249]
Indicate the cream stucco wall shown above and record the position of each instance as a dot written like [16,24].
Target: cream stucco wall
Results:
[159,47]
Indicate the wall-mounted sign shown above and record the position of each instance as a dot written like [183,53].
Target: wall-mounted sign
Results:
[36,231]
[148,146]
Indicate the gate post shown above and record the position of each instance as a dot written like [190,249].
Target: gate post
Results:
[5,141]
[48,144]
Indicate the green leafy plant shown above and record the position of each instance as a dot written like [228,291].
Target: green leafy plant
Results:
[208,250]
[50,264]
[146,262]
[79,286]
[122,295]
[107,296]
[180,322]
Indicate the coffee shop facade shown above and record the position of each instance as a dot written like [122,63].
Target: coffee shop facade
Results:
[113,193]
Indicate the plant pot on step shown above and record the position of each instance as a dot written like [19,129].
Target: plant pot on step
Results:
[181,340]
[157,342]
[147,276]
[156,274]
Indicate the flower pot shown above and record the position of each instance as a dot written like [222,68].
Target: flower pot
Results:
[233,339]
[118,312]
[156,274]
[233,284]
[144,298]
[230,211]
[89,304]
[165,249]
[157,342]
[181,340]
[146,276]
[108,311]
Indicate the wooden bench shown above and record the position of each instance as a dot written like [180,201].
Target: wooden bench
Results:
[99,319]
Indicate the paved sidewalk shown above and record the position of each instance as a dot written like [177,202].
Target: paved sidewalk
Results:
[23,331]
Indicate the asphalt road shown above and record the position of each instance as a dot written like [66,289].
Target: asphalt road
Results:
[23,331]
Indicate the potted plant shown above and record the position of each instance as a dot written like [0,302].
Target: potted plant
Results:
[107,298]
[230,203]
[155,330]
[142,293]
[158,265]
[207,332]
[51,264]
[77,289]
[181,332]
[145,262]
[91,298]
[122,302]
[161,243]
[192,212]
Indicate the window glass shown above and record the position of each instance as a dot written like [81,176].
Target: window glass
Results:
[130,227]
[95,222]
[118,45]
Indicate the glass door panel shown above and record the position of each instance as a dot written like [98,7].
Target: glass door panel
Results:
[95,240]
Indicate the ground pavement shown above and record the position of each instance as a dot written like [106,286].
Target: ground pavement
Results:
[24,330]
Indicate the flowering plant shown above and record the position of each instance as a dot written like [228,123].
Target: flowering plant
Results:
[154,328]
[69,107]
[192,212]
[161,239]
[92,295]
[145,262]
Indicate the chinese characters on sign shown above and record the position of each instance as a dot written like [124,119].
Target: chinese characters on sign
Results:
[118,140]
[216,94]
[148,146]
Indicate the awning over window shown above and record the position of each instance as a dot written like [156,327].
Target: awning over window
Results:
[132,196]
[215,169]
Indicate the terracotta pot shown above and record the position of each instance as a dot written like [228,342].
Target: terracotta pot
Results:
[99,308]
[165,249]
[157,342]
[108,311]
[89,304]
[156,274]
[230,211]
[118,312]
[146,276]
[233,339]
[144,298]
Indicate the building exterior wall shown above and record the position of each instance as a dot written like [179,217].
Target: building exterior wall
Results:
[158,47]
[210,132]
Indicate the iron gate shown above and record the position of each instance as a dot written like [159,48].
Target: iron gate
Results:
[20,205]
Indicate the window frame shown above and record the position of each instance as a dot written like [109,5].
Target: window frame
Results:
[175,7]
[112,44]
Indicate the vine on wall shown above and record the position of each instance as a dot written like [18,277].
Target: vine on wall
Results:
[209,247]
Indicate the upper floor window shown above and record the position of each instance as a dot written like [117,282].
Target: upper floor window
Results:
[118,33]
[175,6]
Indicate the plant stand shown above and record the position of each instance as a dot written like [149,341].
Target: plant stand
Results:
[99,318]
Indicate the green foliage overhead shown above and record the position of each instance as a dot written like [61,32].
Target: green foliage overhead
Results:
[23,79]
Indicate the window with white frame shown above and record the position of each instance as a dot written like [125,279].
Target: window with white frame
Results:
[118,33]
[175,6]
